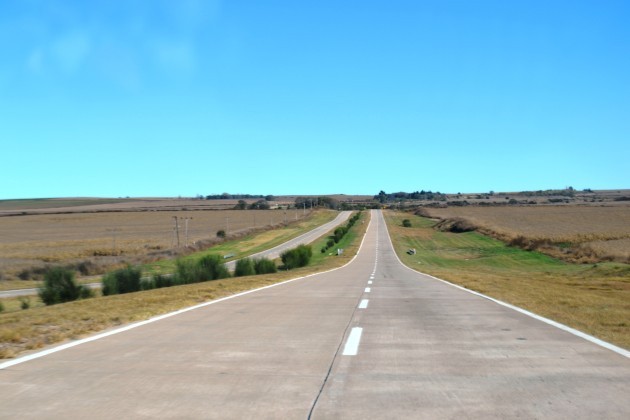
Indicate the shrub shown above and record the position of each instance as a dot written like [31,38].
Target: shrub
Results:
[160,281]
[221,234]
[187,271]
[265,266]
[125,280]
[324,249]
[60,286]
[25,302]
[1,307]
[339,233]
[86,268]
[406,223]
[209,267]
[330,243]
[147,284]
[157,282]
[244,267]
[213,266]
[86,292]
[297,257]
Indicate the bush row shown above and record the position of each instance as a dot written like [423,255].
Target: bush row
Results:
[209,267]
[340,232]
[249,267]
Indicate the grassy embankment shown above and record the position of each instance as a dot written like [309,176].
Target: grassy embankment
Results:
[250,244]
[577,234]
[41,326]
[593,298]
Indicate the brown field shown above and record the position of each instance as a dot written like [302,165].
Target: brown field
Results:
[40,326]
[94,205]
[34,240]
[581,233]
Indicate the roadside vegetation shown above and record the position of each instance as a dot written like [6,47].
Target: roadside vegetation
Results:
[582,234]
[59,287]
[248,245]
[594,298]
[237,245]
[22,330]
[339,233]
[95,243]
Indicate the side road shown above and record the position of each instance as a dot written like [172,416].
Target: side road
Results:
[271,253]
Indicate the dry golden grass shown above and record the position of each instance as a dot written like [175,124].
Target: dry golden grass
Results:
[38,327]
[594,232]
[591,298]
[33,240]
[619,249]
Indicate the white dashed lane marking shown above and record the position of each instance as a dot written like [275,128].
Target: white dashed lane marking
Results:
[352,344]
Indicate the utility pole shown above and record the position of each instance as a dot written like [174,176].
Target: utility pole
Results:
[176,229]
[186,221]
[113,231]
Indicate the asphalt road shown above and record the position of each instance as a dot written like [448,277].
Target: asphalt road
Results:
[327,346]
[272,253]
[306,238]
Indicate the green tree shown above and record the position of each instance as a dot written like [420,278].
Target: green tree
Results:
[259,205]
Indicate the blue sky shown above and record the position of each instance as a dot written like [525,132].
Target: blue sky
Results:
[169,98]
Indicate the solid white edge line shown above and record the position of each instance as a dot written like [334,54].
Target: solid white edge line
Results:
[56,349]
[364,304]
[558,325]
[352,344]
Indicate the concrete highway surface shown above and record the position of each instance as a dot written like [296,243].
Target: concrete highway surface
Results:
[373,339]
[272,253]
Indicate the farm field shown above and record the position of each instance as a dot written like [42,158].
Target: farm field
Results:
[577,233]
[594,298]
[94,205]
[40,326]
[107,238]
